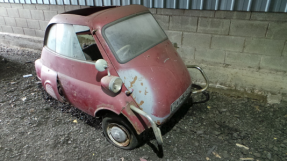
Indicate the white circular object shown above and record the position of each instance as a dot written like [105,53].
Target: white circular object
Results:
[101,65]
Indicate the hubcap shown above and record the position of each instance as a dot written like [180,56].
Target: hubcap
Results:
[118,134]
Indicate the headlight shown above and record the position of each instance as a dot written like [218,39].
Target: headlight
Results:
[115,84]
[112,83]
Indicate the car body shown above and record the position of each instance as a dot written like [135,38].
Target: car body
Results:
[115,62]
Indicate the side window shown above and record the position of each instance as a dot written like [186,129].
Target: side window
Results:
[87,43]
[63,40]
[51,40]
[67,43]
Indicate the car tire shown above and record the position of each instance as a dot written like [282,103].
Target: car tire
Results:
[120,132]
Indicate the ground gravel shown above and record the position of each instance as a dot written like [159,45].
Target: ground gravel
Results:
[214,126]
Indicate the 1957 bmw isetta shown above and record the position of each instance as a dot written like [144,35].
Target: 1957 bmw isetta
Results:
[118,64]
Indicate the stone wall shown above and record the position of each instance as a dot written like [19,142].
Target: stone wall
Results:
[246,51]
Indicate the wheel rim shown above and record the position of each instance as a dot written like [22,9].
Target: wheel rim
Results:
[118,134]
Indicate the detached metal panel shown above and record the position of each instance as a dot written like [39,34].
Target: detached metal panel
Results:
[231,5]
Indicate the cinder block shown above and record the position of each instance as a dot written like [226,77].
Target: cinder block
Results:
[230,43]
[7,29]
[42,7]
[232,15]
[183,23]
[29,6]
[2,21]
[264,46]
[187,54]
[269,16]
[5,5]
[71,7]
[215,26]
[10,21]
[277,30]
[174,12]
[43,25]
[3,11]
[242,59]
[13,12]
[152,10]
[210,55]
[174,36]
[49,14]
[162,20]
[18,30]
[1,29]
[198,13]
[37,14]
[21,22]
[58,8]
[33,24]
[30,32]
[40,33]
[196,40]
[24,13]
[274,63]
[248,28]
[15,5]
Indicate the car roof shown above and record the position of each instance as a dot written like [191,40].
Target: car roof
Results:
[97,16]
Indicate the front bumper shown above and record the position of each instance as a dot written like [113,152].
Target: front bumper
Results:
[156,130]
[174,106]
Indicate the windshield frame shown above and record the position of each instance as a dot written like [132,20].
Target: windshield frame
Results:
[123,19]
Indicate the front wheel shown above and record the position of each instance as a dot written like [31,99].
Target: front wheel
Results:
[120,132]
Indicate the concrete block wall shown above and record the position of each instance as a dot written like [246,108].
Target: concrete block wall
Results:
[237,39]
[245,51]
[239,50]
[29,19]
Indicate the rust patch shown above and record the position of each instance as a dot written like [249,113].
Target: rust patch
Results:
[142,84]
[145,92]
[140,91]
[141,103]
[133,82]
[158,122]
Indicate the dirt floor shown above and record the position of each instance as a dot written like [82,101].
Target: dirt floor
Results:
[33,126]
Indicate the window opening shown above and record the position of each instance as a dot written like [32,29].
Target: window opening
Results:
[87,43]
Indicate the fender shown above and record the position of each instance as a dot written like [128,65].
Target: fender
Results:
[38,67]
[49,82]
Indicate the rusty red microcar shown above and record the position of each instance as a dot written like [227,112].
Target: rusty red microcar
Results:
[115,63]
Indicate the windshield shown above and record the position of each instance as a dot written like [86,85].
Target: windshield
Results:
[131,37]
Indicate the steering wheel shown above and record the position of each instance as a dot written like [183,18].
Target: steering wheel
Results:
[124,50]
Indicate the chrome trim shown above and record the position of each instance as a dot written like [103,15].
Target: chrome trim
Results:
[156,130]
[204,76]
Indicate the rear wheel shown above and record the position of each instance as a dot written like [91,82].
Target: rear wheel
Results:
[120,132]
